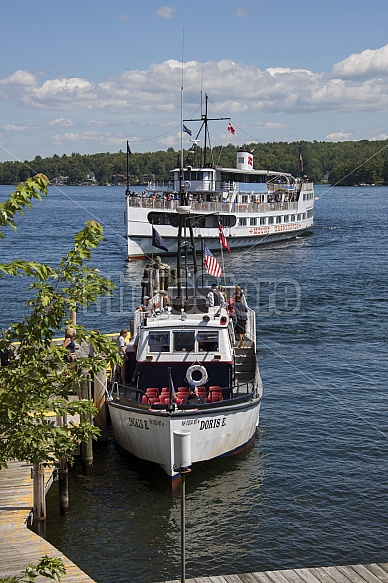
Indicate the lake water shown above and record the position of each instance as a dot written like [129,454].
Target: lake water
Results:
[312,489]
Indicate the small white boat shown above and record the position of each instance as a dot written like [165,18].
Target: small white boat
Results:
[251,206]
[189,342]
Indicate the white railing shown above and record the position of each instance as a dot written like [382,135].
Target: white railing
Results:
[212,207]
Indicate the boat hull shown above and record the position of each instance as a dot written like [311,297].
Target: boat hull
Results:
[141,247]
[216,431]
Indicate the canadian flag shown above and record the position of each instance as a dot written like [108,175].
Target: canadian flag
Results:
[231,128]
[250,161]
[223,240]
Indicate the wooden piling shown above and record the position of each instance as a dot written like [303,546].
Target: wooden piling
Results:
[86,447]
[100,403]
[39,496]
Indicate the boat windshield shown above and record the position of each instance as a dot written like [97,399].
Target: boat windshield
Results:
[159,341]
[184,340]
[207,341]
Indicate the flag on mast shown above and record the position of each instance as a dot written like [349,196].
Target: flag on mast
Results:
[187,130]
[157,240]
[223,240]
[212,266]
[231,128]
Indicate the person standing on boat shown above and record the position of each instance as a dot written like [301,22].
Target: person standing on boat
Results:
[121,346]
[241,313]
[146,307]
[214,296]
[130,364]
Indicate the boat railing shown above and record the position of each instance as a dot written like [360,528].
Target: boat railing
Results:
[214,206]
[135,394]
[250,331]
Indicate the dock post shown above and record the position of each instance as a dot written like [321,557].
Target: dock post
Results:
[63,473]
[39,499]
[86,447]
[63,482]
[181,463]
[100,403]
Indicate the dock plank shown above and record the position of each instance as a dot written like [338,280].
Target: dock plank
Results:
[373,573]
[19,546]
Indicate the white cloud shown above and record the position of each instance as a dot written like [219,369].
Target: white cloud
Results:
[165,12]
[157,89]
[61,122]
[241,12]
[368,63]
[339,136]
[115,109]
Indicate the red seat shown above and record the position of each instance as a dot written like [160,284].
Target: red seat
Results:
[215,396]
[149,400]
[202,391]
[215,388]
[183,390]
[152,391]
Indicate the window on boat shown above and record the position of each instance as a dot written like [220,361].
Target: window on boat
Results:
[299,216]
[286,218]
[159,341]
[263,220]
[156,218]
[278,219]
[253,221]
[207,341]
[270,220]
[184,340]
[310,213]
[227,220]
[292,218]
[242,221]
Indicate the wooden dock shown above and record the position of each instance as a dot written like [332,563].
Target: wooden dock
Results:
[374,573]
[19,546]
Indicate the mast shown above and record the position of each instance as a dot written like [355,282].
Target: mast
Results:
[184,220]
[204,126]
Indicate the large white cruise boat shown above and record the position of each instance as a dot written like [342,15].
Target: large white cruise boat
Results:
[250,206]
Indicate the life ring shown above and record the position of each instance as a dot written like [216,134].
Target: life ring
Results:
[196,368]
[187,184]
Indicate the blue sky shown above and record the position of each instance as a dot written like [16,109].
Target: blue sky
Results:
[87,75]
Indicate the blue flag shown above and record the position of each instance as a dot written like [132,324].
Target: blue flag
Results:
[157,240]
[185,129]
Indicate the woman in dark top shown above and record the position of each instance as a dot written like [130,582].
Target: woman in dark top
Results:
[241,313]
[69,343]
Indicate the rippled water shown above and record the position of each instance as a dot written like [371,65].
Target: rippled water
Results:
[312,489]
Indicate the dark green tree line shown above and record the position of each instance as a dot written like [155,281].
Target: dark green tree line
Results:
[344,163]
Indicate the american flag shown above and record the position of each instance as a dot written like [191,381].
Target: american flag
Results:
[212,266]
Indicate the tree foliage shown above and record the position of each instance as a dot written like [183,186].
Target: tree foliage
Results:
[338,163]
[50,568]
[38,380]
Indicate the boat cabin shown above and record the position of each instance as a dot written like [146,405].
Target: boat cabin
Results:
[176,342]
